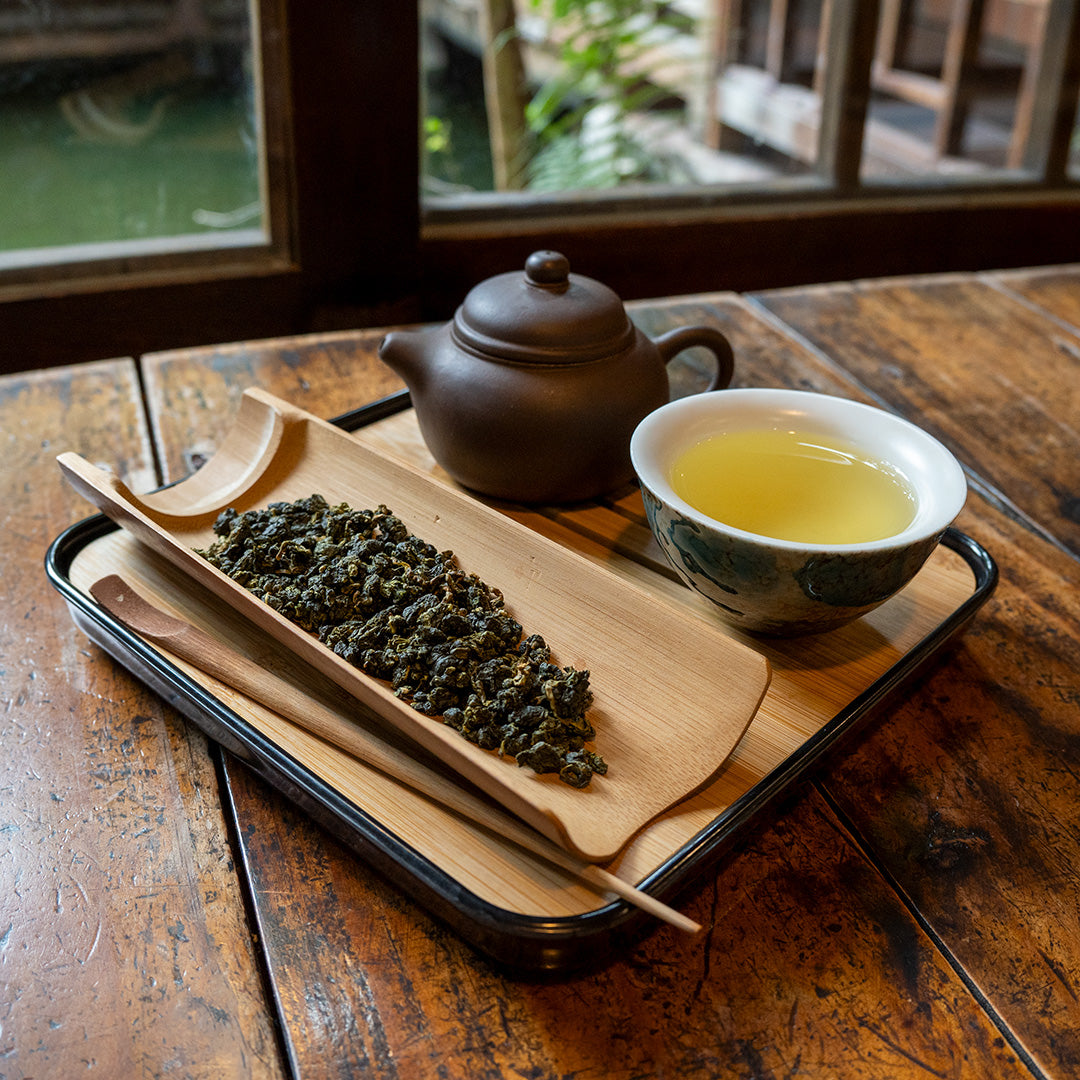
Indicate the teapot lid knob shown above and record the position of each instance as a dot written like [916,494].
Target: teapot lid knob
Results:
[545,316]
[548,269]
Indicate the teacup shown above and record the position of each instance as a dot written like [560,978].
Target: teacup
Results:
[792,586]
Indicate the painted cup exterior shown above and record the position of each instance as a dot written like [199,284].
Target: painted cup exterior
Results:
[780,587]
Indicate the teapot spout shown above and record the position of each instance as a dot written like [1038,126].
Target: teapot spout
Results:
[404,352]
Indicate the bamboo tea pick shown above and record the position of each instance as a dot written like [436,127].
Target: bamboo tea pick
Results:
[215,658]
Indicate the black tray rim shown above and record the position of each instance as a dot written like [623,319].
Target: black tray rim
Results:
[521,943]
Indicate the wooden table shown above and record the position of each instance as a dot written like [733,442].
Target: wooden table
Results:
[912,909]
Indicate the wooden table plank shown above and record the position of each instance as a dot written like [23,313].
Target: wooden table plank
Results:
[1054,289]
[992,377]
[325,374]
[360,969]
[809,966]
[968,793]
[974,808]
[123,940]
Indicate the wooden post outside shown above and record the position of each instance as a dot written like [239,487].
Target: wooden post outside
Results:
[504,92]
[961,60]
[851,35]
[1046,107]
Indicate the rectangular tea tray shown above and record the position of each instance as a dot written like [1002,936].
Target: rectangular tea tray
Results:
[518,910]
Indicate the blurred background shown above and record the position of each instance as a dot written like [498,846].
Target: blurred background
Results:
[164,145]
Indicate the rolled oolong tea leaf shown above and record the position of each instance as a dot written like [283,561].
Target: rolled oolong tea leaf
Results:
[392,605]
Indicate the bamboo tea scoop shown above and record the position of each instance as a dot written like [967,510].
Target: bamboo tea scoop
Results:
[214,657]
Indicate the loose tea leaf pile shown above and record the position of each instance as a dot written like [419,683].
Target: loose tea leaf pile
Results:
[395,607]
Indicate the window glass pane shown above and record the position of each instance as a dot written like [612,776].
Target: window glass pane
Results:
[579,94]
[586,94]
[954,92]
[127,127]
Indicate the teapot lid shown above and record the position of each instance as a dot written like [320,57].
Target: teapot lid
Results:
[546,315]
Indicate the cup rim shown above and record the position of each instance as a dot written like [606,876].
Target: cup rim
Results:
[681,423]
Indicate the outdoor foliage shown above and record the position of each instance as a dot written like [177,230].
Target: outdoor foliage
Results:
[579,116]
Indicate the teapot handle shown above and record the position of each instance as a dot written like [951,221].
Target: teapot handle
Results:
[681,338]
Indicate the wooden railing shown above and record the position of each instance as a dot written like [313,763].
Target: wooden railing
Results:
[810,102]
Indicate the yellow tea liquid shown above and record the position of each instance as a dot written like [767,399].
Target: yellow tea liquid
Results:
[791,486]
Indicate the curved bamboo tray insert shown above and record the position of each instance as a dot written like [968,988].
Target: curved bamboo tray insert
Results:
[673,693]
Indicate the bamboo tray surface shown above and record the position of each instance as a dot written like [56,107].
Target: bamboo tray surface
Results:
[505,901]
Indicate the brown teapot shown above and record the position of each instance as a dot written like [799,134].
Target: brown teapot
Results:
[532,391]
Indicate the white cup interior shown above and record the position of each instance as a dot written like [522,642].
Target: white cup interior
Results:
[934,475]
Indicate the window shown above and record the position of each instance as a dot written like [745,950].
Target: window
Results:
[321,233]
[351,230]
[128,129]
[813,141]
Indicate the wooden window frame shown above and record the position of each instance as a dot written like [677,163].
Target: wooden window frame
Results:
[341,111]
[342,76]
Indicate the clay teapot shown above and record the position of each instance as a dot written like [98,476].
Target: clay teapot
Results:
[532,391]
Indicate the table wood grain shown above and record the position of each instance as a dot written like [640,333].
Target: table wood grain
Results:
[913,909]
[975,815]
[125,948]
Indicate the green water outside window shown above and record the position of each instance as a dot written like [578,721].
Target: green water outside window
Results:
[127,127]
